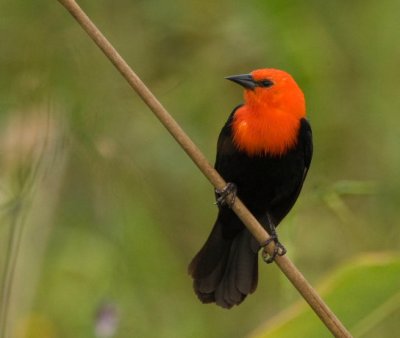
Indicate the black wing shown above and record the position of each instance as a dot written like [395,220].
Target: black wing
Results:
[225,148]
[305,145]
[306,135]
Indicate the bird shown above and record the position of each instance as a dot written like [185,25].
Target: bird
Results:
[264,152]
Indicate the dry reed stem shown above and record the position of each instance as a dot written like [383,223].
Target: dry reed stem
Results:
[288,268]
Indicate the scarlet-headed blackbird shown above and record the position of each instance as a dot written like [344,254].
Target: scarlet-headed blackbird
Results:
[265,150]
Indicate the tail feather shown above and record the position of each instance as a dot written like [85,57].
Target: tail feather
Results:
[225,270]
[247,264]
[207,284]
[227,293]
[213,253]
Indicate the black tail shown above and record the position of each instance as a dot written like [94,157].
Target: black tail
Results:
[225,270]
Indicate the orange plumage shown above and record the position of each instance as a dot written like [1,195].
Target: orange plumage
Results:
[269,120]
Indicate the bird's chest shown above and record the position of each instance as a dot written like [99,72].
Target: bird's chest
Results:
[261,180]
[272,131]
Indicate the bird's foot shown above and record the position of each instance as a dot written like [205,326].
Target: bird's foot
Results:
[279,249]
[226,195]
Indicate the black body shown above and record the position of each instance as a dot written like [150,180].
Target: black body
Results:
[226,269]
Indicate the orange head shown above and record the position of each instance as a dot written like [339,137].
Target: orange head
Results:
[269,120]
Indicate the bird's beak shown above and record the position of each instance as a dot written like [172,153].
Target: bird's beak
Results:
[245,80]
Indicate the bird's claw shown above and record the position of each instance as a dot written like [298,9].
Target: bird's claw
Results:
[279,250]
[226,195]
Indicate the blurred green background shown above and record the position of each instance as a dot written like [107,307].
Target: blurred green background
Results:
[101,211]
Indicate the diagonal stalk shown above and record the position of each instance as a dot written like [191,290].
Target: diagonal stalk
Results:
[288,268]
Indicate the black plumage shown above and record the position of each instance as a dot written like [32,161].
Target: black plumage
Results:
[225,270]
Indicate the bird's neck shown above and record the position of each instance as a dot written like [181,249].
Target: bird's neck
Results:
[262,130]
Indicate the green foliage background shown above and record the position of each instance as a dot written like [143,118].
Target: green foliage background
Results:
[106,208]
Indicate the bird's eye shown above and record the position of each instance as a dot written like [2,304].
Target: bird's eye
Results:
[266,83]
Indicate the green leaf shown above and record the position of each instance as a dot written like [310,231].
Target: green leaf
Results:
[364,294]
